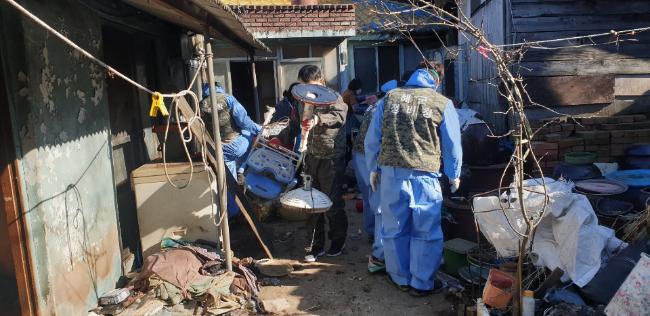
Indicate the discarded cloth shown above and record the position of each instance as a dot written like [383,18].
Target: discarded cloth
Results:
[568,235]
[633,297]
[180,267]
[214,287]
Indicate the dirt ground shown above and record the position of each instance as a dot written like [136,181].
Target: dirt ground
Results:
[339,285]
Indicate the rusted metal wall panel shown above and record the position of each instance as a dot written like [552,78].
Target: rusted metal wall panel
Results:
[61,130]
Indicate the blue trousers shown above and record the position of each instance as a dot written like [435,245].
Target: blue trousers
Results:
[411,204]
[375,206]
[233,153]
[362,174]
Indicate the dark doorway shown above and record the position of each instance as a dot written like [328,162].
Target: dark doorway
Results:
[127,137]
[365,68]
[16,285]
[241,78]
[388,57]
[265,84]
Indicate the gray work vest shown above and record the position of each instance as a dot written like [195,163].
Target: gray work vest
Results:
[227,126]
[358,146]
[410,138]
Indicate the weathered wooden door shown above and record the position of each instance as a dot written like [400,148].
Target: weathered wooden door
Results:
[16,284]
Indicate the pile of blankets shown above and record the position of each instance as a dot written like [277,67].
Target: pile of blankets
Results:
[183,271]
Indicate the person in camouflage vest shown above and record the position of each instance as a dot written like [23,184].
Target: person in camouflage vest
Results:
[412,129]
[325,162]
[236,129]
[371,210]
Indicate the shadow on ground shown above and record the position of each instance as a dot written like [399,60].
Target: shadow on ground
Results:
[332,286]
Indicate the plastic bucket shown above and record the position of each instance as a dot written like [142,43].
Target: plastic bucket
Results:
[498,289]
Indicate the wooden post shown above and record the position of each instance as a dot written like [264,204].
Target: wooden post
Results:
[256,97]
[221,170]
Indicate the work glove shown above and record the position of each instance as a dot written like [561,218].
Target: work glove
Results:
[374,180]
[308,124]
[454,184]
[275,142]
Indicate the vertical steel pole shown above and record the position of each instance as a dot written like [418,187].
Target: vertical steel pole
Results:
[221,170]
[199,50]
[256,97]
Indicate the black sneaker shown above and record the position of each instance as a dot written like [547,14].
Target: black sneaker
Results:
[403,288]
[312,256]
[438,287]
[335,249]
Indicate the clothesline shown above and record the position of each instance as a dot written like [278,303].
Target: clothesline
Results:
[72,44]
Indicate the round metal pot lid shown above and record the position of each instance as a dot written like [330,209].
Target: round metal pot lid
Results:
[314,94]
[601,187]
[306,199]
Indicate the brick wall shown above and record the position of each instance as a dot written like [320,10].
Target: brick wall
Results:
[289,18]
[607,137]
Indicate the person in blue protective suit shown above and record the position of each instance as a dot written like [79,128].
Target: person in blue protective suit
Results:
[413,128]
[237,130]
[371,211]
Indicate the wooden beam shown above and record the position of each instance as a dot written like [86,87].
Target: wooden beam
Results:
[612,51]
[169,13]
[594,8]
[571,90]
[638,85]
[194,18]
[580,22]
[583,67]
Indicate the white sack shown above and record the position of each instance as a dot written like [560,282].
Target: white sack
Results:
[568,236]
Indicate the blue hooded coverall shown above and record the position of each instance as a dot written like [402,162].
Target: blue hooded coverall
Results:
[371,212]
[235,151]
[411,200]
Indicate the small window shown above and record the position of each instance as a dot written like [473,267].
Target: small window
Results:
[293,51]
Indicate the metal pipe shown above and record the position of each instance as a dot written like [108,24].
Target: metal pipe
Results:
[221,176]
[197,66]
[256,97]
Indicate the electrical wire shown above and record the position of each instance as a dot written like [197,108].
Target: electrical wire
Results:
[589,36]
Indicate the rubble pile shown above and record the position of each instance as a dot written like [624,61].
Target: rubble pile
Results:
[187,272]
[588,254]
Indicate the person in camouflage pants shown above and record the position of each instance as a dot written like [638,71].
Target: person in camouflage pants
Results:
[325,162]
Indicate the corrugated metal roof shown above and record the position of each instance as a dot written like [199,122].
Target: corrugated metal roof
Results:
[209,17]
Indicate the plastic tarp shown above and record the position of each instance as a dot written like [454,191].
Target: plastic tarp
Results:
[467,117]
[567,237]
